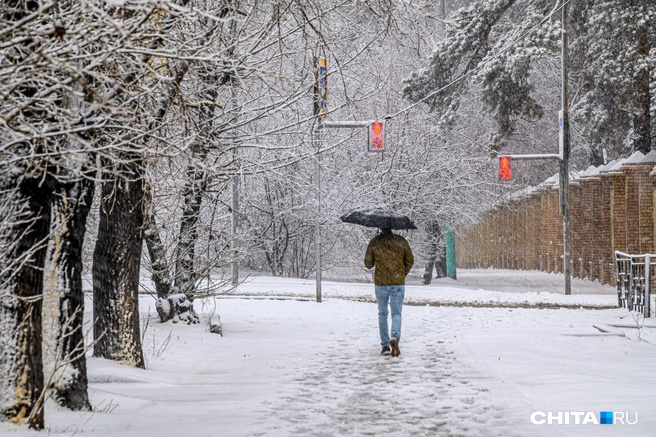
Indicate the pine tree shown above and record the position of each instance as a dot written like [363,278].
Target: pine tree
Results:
[495,49]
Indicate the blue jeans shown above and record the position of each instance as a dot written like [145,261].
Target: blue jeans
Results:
[392,294]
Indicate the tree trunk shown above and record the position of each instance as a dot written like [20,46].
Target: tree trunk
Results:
[154,245]
[185,274]
[64,359]
[116,262]
[436,253]
[170,304]
[440,263]
[157,255]
[25,218]
[156,251]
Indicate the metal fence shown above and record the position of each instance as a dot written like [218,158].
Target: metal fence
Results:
[635,280]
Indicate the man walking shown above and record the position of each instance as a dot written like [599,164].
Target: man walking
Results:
[393,259]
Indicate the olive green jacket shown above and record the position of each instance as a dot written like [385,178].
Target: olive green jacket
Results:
[392,256]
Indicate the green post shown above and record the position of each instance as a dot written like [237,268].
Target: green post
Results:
[450,253]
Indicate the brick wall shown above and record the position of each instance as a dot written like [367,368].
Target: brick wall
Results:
[611,208]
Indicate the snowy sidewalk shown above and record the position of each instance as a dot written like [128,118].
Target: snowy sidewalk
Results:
[480,288]
[298,368]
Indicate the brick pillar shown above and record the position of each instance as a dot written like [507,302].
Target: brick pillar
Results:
[618,211]
[537,229]
[525,233]
[507,237]
[471,258]
[605,236]
[652,177]
[645,206]
[514,217]
[546,229]
[518,234]
[576,224]
[545,226]
[592,228]
[497,238]
[540,208]
[510,237]
[597,237]
[590,193]
[483,242]
[498,248]
[531,243]
[489,245]
[462,246]
[555,230]
[501,233]
[528,233]
[459,255]
[632,206]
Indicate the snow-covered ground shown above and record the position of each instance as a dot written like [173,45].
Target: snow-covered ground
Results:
[299,368]
[489,287]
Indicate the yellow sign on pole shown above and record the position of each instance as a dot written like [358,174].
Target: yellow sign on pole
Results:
[322,88]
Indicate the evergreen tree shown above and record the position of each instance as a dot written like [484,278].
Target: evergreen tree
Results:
[498,50]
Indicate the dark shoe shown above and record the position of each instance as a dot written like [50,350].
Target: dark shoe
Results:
[386,351]
[394,344]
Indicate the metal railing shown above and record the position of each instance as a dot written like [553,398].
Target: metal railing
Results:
[635,281]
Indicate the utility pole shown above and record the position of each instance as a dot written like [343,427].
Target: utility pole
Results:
[235,229]
[316,137]
[234,243]
[320,112]
[317,238]
[564,163]
[505,169]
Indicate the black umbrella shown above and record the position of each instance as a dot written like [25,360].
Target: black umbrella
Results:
[378,218]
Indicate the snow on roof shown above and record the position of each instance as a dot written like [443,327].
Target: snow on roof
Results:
[591,171]
[618,164]
[550,181]
[635,158]
[574,174]
[607,167]
[649,157]
[523,192]
[588,171]
[613,165]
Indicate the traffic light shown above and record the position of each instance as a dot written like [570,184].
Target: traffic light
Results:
[377,137]
[505,169]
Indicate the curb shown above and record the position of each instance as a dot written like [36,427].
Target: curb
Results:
[432,303]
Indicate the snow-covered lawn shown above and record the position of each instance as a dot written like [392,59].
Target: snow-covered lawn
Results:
[474,287]
[296,367]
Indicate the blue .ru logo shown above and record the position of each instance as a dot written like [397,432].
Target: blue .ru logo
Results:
[606,418]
